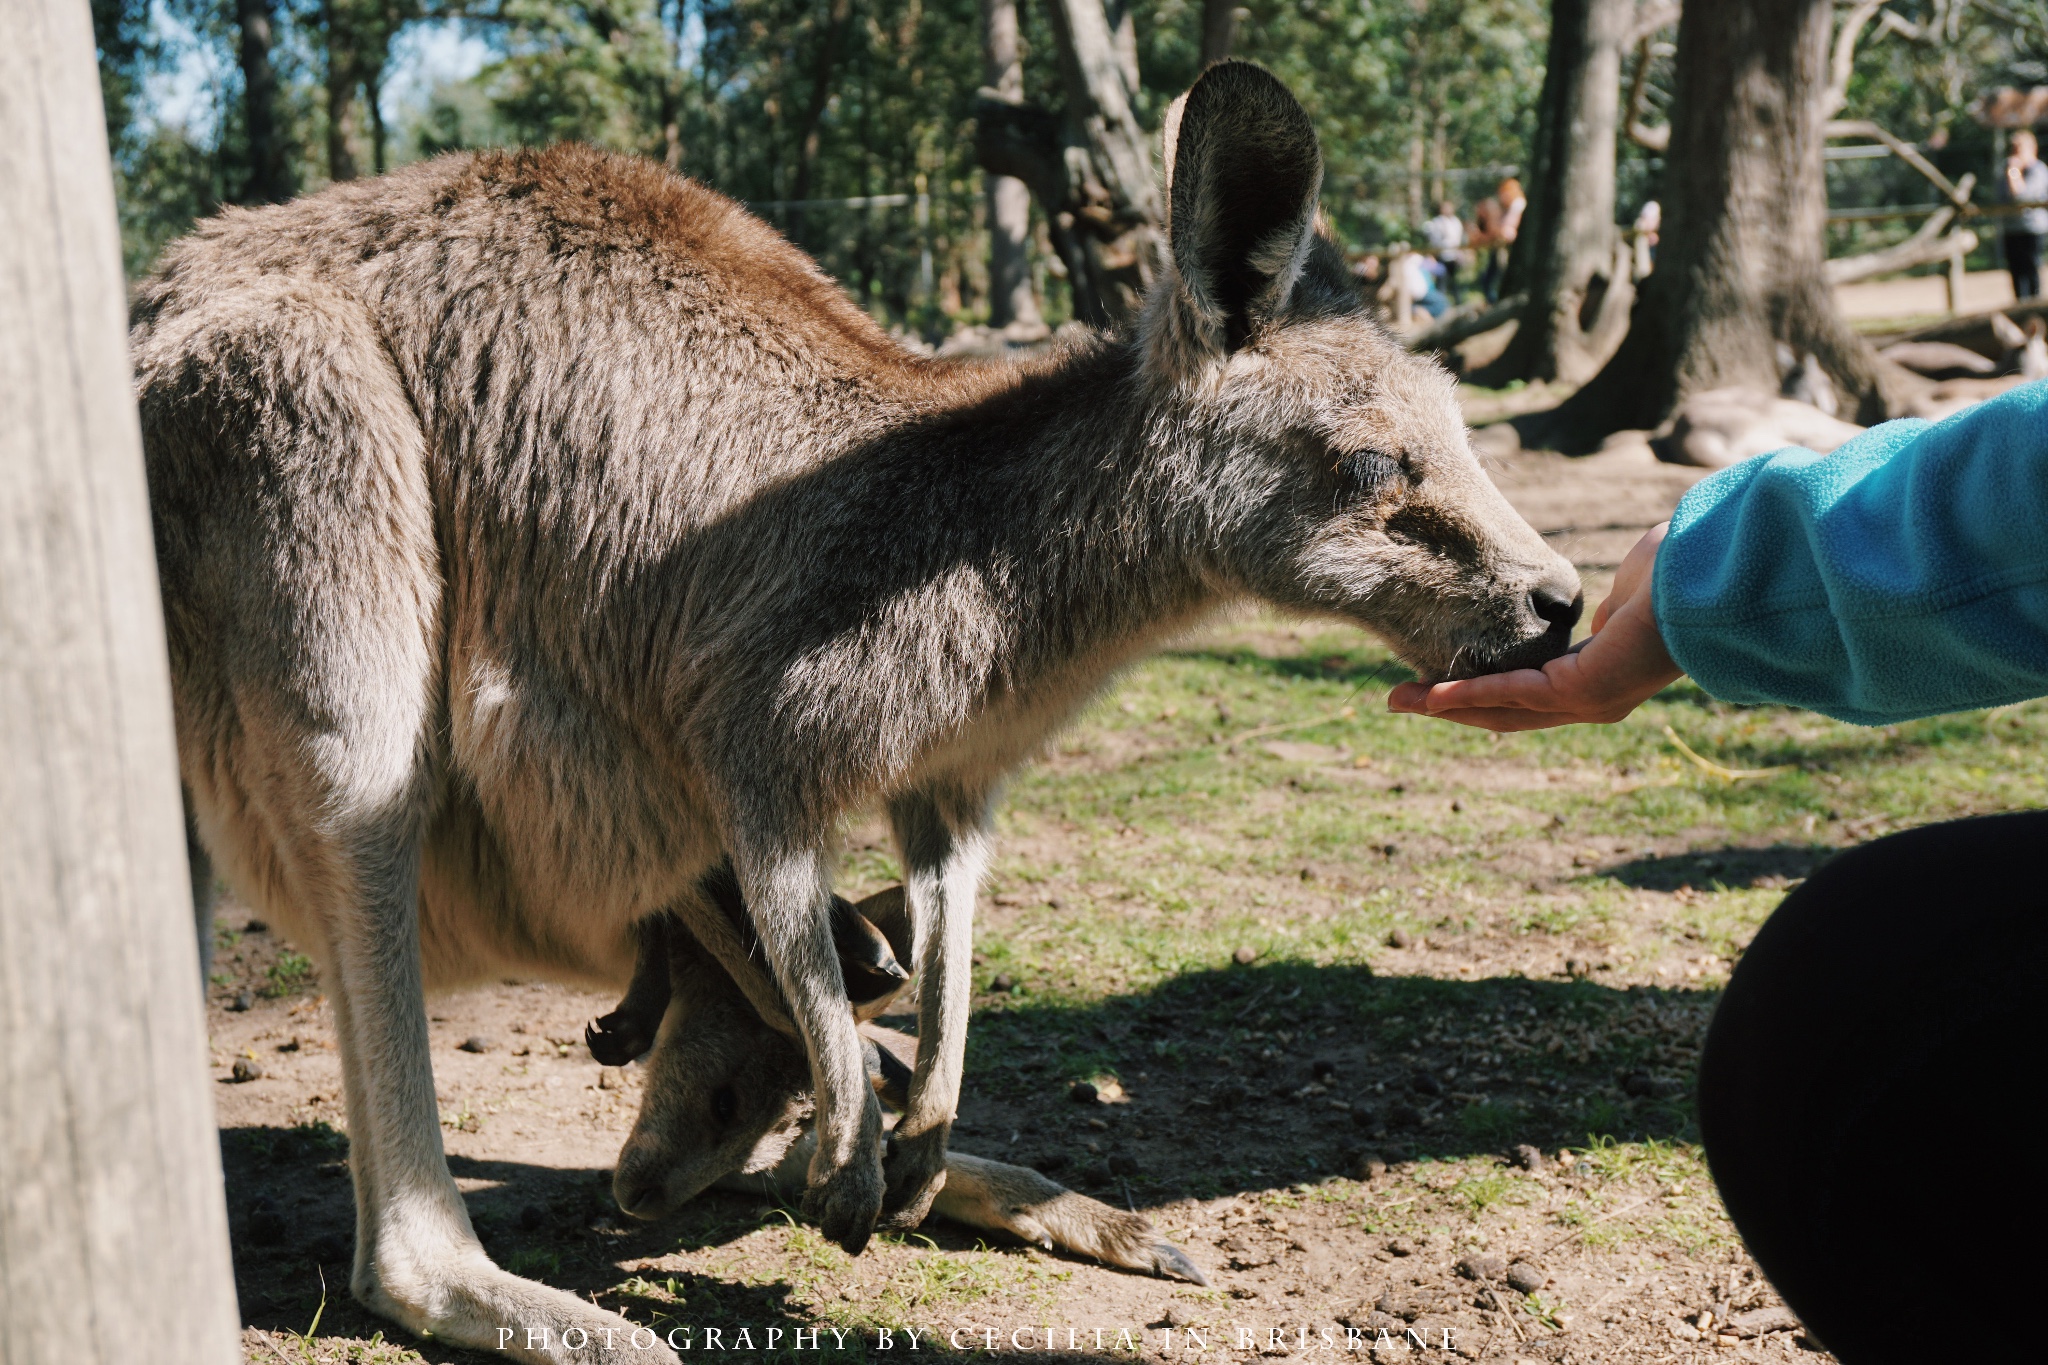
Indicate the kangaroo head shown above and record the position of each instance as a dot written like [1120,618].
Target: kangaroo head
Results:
[724,1092]
[1333,464]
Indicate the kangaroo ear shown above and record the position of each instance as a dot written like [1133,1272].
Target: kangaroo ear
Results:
[2007,331]
[1243,174]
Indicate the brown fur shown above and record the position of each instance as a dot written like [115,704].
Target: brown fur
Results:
[537,528]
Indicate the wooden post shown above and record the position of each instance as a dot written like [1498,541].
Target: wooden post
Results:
[1955,281]
[113,1229]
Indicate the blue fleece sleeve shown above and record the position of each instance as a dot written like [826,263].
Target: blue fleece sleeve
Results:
[1904,575]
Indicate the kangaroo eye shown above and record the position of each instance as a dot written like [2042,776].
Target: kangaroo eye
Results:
[724,1104]
[1363,474]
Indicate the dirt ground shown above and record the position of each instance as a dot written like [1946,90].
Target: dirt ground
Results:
[1362,1157]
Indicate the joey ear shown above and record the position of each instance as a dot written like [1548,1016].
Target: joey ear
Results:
[1243,174]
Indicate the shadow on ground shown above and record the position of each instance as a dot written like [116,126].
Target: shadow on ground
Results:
[1774,866]
[1236,1080]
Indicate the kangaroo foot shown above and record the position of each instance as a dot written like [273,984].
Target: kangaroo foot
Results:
[916,1172]
[476,1304]
[847,1203]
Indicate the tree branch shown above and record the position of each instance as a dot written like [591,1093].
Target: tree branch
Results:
[1456,327]
[1655,139]
[1654,15]
[1843,64]
[1959,195]
[1919,249]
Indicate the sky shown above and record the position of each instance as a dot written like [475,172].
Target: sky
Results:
[193,87]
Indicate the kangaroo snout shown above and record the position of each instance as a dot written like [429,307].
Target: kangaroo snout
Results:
[1554,606]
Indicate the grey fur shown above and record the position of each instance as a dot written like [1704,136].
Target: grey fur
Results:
[537,527]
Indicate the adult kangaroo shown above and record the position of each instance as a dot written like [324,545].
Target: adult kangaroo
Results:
[537,528]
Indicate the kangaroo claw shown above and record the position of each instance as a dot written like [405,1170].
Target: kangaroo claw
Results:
[1171,1263]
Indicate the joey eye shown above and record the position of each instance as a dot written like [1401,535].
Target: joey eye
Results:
[724,1104]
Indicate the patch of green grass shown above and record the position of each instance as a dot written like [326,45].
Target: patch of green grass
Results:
[291,971]
[538,1263]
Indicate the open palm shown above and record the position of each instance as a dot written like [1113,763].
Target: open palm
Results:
[1620,666]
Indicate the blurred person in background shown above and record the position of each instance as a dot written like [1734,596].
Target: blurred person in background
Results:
[1445,234]
[1649,220]
[2026,183]
[1500,229]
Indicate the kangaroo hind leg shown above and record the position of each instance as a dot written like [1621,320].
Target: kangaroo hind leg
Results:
[302,579]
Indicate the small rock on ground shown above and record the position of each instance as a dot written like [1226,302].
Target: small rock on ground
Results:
[1480,1266]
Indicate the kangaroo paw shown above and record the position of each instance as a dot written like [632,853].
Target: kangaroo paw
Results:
[846,1205]
[1171,1263]
[615,1040]
[916,1172]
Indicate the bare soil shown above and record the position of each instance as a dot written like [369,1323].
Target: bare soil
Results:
[1357,1156]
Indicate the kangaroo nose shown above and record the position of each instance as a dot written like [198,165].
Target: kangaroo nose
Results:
[648,1201]
[1551,602]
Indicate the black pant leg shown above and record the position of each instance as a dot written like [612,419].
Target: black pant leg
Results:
[2023,263]
[1865,1088]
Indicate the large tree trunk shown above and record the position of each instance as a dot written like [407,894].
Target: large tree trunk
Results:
[1011,302]
[113,1229]
[1740,265]
[269,179]
[1219,30]
[1569,258]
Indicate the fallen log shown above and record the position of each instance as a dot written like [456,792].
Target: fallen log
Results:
[1924,246]
[1469,321]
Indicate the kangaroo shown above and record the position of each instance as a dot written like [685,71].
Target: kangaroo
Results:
[727,1102]
[517,519]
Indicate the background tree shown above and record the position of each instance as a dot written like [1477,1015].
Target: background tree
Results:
[269,178]
[1011,301]
[1740,266]
[1219,30]
[1570,260]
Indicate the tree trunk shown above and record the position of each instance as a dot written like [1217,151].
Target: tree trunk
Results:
[1740,265]
[344,78]
[1569,258]
[113,1227]
[838,14]
[269,179]
[1010,300]
[1116,210]
[1219,30]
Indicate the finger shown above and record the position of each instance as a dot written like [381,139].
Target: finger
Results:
[1409,697]
[1601,613]
[1511,720]
[1530,688]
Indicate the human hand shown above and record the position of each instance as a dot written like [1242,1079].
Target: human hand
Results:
[1619,667]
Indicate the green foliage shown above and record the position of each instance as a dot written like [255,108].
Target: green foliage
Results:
[772,101]
[1434,83]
